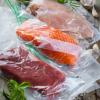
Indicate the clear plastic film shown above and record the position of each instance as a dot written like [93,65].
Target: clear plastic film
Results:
[16,64]
[37,43]
[85,66]
[69,83]
[94,24]
[65,19]
[6,38]
[53,43]
[19,64]
[48,82]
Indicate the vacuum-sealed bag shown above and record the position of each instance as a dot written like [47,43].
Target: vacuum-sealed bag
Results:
[63,18]
[58,46]
[48,43]
[59,16]
[18,64]
[48,81]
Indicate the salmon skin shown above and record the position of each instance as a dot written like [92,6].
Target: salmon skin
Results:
[58,46]
[21,66]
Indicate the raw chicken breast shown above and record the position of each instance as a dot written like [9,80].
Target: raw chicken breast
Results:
[61,17]
[17,64]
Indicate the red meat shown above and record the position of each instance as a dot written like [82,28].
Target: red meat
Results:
[16,64]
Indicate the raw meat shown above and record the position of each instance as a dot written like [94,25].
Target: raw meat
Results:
[61,17]
[17,64]
[55,44]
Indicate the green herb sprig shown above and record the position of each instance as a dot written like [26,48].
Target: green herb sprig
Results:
[25,2]
[15,90]
[72,3]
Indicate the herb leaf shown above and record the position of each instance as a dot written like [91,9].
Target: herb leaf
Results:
[16,90]
[25,2]
[61,1]
[24,85]
[72,3]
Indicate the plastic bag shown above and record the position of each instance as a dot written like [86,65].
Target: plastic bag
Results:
[47,81]
[53,44]
[94,25]
[52,48]
[13,56]
[63,18]
[72,85]
[17,64]
[6,38]
[60,17]
[58,46]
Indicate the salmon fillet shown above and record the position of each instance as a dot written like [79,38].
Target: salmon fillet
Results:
[58,46]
